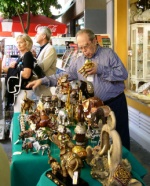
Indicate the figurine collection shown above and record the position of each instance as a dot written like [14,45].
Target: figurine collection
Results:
[71,119]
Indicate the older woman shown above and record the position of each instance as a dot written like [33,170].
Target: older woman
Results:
[22,69]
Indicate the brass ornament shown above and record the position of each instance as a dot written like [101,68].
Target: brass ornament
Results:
[122,175]
[87,65]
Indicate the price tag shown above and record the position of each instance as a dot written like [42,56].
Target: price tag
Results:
[90,78]
[16,142]
[75,178]
[17,153]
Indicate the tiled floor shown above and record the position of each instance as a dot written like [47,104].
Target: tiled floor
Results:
[141,155]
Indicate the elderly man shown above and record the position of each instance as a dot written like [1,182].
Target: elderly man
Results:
[107,75]
[46,57]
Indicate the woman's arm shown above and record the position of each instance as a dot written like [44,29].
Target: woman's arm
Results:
[26,73]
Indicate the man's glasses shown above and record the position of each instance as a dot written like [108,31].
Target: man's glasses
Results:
[85,47]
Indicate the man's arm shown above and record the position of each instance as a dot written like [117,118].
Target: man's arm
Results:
[34,84]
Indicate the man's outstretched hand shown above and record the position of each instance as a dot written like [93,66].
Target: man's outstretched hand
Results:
[34,84]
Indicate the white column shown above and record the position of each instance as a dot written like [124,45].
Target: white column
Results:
[110,19]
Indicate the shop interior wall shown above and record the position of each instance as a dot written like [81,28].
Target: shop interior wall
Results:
[95,16]
[94,4]
[94,13]
[95,20]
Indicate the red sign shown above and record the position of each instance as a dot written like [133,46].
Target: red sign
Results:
[8,27]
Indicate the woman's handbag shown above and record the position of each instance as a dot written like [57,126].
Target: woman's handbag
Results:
[13,84]
[37,70]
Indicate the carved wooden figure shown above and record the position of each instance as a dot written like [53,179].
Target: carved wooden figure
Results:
[27,104]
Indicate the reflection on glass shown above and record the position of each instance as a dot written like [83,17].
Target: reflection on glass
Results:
[140,52]
[148,68]
[133,52]
[140,73]
[134,36]
[148,53]
[133,67]
[140,35]
[148,39]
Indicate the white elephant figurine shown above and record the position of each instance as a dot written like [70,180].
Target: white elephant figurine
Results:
[138,16]
[146,15]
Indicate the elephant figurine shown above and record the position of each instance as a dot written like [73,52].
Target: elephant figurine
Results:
[103,114]
[88,104]
[63,117]
[70,161]
[26,134]
[106,161]
[26,104]
[146,15]
[88,64]
[27,146]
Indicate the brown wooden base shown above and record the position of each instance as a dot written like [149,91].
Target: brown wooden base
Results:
[58,179]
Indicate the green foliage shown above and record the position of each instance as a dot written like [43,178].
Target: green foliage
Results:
[11,8]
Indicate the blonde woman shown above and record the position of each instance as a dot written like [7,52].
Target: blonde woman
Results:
[21,69]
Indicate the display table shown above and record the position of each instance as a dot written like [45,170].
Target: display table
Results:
[29,169]
[138,172]
[26,169]
[85,175]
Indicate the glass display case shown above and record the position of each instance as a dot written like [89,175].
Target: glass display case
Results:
[140,58]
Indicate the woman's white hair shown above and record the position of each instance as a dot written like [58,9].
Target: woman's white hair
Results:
[27,39]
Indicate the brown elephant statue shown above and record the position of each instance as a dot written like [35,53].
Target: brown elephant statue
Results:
[88,104]
[27,104]
[70,161]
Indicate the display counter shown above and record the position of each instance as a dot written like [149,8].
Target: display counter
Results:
[135,102]
[29,170]
[85,175]
[138,172]
[26,168]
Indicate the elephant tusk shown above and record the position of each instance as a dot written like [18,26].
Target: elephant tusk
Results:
[109,153]
[77,165]
[102,151]
[89,116]
[85,110]
[113,121]
[109,160]
[111,149]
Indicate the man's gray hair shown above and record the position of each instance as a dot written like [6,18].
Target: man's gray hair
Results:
[45,30]
[87,31]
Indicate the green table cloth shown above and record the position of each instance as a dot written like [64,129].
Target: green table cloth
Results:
[29,170]
[138,172]
[26,168]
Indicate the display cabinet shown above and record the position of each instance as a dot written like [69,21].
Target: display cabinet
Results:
[140,58]
[59,43]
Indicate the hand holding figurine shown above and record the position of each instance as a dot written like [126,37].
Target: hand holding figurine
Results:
[88,68]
